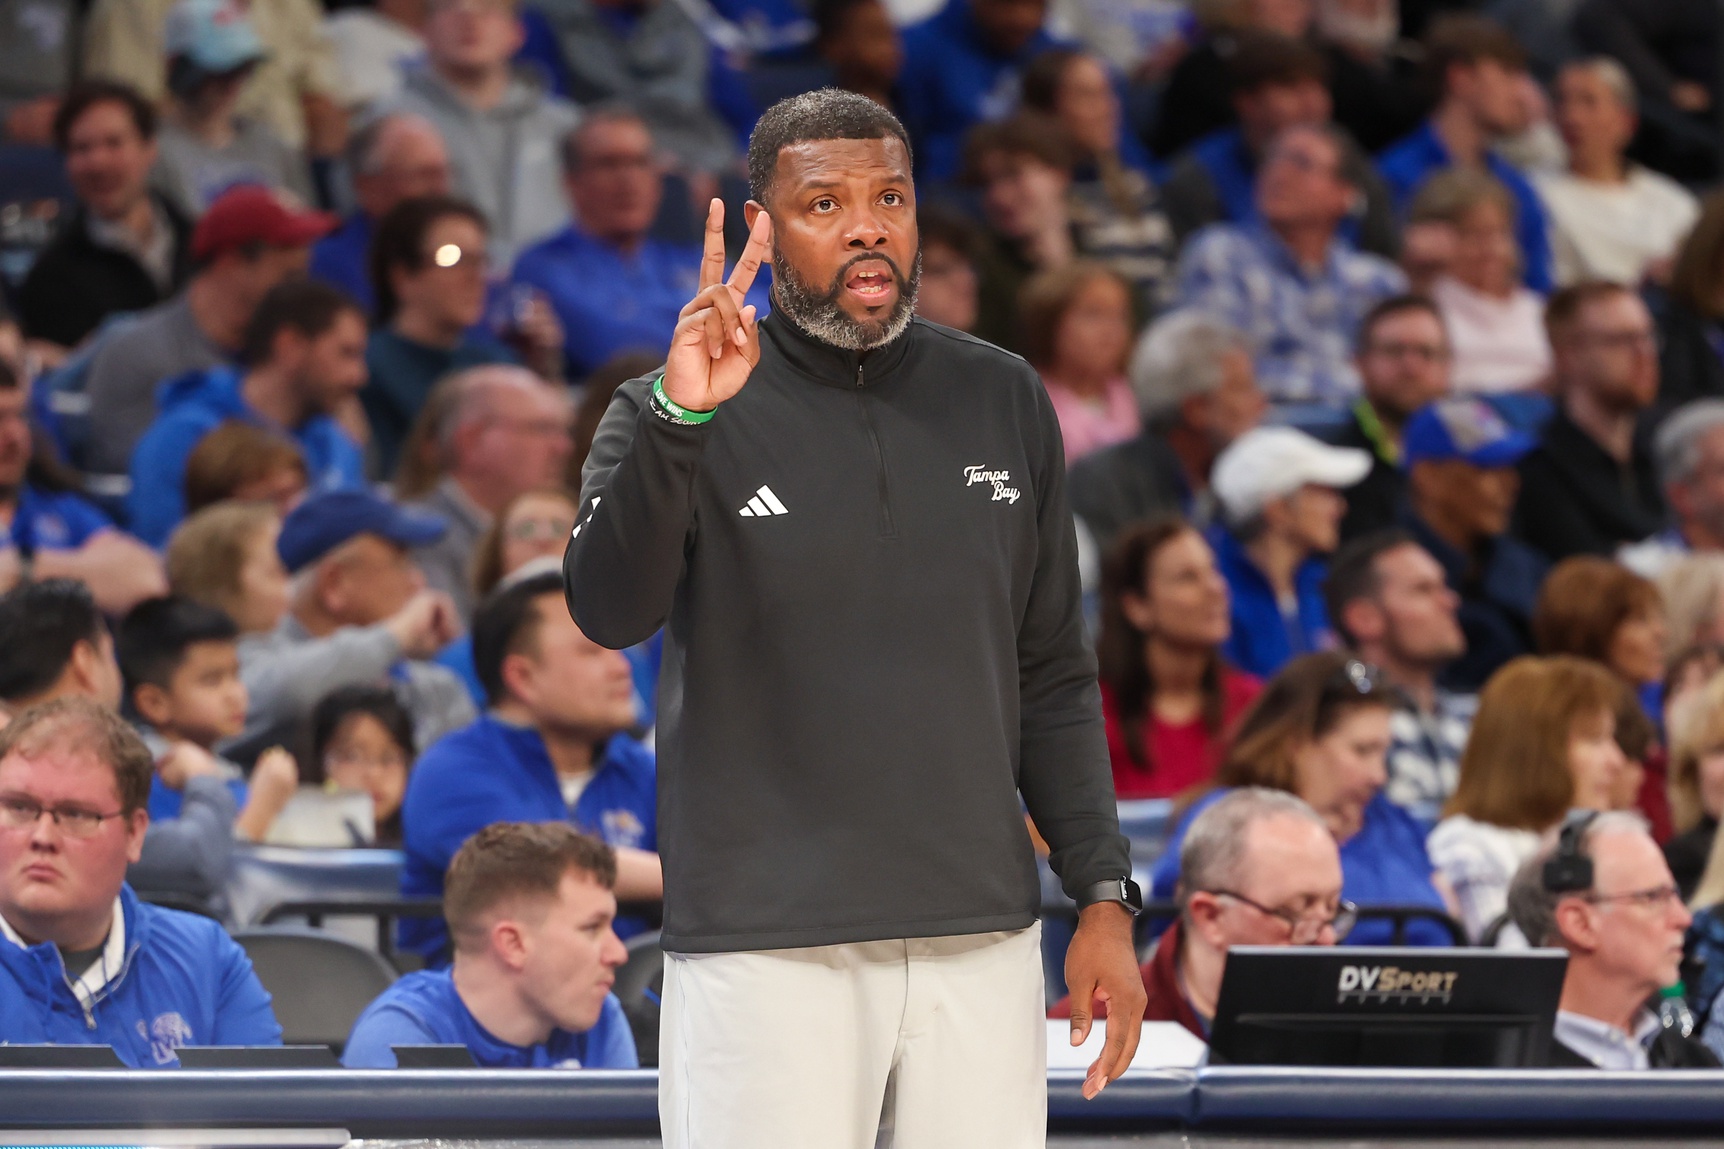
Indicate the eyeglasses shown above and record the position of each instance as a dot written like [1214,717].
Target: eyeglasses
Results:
[74,822]
[1622,340]
[1655,898]
[540,530]
[1303,929]
[1423,352]
[450,255]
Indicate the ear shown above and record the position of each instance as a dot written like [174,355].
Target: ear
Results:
[85,668]
[751,212]
[1194,411]
[1363,619]
[1202,914]
[137,825]
[153,703]
[329,587]
[1137,610]
[519,677]
[509,943]
[1576,925]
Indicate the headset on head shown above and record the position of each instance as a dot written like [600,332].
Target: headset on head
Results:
[1568,871]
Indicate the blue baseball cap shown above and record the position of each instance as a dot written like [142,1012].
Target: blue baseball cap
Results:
[213,36]
[325,521]
[1464,428]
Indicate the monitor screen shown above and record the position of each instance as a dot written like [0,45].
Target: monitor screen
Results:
[1387,1006]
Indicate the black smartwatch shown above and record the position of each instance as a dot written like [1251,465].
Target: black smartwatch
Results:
[1122,890]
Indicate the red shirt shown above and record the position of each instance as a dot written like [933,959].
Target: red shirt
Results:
[1167,1001]
[1181,755]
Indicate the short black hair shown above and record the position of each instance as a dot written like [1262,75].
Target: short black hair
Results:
[944,227]
[154,636]
[829,17]
[400,242]
[824,114]
[307,306]
[505,624]
[40,624]
[86,94]
[336,707]
[1396,305]
[1353,573]
[1264,60]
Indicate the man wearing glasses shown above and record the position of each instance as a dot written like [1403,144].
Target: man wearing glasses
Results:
[1603,893]
[82,960]
[1258,868]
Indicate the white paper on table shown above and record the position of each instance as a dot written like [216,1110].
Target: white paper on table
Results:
[1164,1045]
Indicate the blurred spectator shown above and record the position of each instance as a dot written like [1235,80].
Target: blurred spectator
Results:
[1610,218]
[1195,395]
[1671,50]
[124,248]
[964,67]
[553,747]
[38,60]
[362,741]
[1598,610]
[1391,606]
[530,912]
[613,286]
[423,462]
[301,362]
[505,433]
[1462,484]
[1689,449]
[1170,699]
[949,291]
[225,556]
[1377,95]
[651,56]
[1320,731]
[206,147]
[1590,487]
[1496,325]
[391,158]
[597,391]
[1023,168]
[83,959]
[428,272]
[1543,744]
[1278,491]
[47,531]
[1076,324]
[1197,100]
[501,130]
[247,242]
[1276,84]
[243,461]
[1622,927]
[1113,204]
[1689,326]
[1692,590]
[295,89]
[180,668]
[859,43]
[1291,282]
[1402,356]
[1479,69]
[1696,786]
[358,613]
[1257,868]
[375,44]
[54,645]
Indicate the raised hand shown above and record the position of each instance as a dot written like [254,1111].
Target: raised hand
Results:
[717,339]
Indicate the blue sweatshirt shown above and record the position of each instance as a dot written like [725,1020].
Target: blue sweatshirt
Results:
[190,407]
[1264,639]
[494,771]
[175,979]
[424,1009]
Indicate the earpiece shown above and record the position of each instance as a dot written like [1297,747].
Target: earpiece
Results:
[1569,871]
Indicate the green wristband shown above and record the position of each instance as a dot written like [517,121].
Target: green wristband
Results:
[675,412]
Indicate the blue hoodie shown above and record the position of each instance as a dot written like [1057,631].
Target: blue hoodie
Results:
[1263,639]
[180,981]
[190,407]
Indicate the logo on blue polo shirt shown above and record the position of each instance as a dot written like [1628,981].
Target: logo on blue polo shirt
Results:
[622,828]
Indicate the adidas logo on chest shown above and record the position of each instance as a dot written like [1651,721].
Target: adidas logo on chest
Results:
[763,504]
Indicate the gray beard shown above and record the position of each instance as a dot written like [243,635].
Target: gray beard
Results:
[818,313]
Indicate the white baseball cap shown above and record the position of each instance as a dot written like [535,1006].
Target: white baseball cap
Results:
[1268,463]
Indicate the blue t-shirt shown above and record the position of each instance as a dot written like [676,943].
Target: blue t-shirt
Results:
[52,521]
[424,1009]
[402,374]
[1384,864]
[494,771]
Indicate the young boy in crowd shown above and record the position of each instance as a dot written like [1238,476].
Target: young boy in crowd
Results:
[180,662]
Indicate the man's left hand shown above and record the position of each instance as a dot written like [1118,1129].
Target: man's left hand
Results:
[1102,964]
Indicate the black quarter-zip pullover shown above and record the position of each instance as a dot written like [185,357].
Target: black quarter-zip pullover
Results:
[874,643]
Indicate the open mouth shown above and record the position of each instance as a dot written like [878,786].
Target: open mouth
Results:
[872,282]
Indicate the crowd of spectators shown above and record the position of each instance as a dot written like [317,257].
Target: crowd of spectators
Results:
[1386,342]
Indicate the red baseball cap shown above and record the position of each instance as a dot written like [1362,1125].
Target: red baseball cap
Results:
[254,214]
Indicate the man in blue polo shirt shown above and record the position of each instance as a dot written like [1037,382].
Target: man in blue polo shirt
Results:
[1480,68]
[551,749]
[530,909]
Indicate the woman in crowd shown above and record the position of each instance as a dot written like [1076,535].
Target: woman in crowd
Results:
[1320,730]
[1169,698]
[1496,325]
[1691,324]
[225,556]
[1696,783]
[246,463]
[362,741]
[1543,743]
[1692,590]
[1076,331]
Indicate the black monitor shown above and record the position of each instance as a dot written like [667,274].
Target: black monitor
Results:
[1385,1006]
[257,1057]
[59,1057]
[433,1057]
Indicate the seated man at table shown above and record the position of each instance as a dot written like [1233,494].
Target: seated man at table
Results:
[1601,890]
[1258,868]
[530,907]
[82,960]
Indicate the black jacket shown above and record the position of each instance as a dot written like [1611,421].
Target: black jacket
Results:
[874,643]
[76,283]
[1374,502]
[1689,363]
[1139,480]
[1575,499]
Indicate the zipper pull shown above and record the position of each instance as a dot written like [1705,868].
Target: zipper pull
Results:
[859,375]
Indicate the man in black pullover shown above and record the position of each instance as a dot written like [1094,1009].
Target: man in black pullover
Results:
[866,564]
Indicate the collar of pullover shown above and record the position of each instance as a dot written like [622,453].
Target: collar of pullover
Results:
[831,365]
